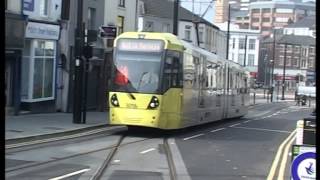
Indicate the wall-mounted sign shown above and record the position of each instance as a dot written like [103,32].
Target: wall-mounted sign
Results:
[42,31]
[108,31]
[28,5]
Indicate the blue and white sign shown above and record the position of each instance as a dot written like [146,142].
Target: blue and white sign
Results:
[42,31]
[304,167]
[28,5]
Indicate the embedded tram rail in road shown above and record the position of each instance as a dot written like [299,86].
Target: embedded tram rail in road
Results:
[99,174]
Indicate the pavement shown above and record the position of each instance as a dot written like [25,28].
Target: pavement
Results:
[24,127]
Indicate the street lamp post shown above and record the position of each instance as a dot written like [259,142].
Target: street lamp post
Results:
[284,71]
[273,62]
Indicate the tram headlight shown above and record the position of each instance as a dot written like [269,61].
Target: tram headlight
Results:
[154,103]
[114,100]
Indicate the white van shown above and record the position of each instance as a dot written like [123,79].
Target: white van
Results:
[306,91]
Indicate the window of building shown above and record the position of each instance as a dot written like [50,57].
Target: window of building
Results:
[120,24]
[165,27]
[44,8]
[255,10]
[250,59]
[122,3]
[311,50]
[255,27]
[38,70]
[91,18]
[265,28]
[240,59]
[233,43]
[311,62]
[187,33]
[232,56]
[241,43]
[281,60]
[252,44]
[303,63]
[266,10]
[295,61]
[266,19]
[297,49]
[200,34]
[254,19]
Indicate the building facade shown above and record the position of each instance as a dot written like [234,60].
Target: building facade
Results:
[296,53]
[157,16]
[267,15]
[96,14]
[40,54]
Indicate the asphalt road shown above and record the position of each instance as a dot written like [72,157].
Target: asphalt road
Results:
[242,148]
[231,149]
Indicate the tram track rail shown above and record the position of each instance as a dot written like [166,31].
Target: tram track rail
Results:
[39,164]
[63,137]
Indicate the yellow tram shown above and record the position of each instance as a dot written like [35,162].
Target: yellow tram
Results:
[162,82]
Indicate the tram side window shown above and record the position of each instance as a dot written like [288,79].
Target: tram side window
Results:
[172,76]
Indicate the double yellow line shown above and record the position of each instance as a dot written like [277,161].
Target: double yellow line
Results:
[285,144]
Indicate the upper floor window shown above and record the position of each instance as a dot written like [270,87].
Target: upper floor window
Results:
[122,3]
[165,27]
[149,26]
[233,42]
[44,7]
[187,32]
[200,34]
[91,18]
[120,22]
[255,10]
[266,19]
[250,59]
[241,43]
[311,50]
[266,10]
[252,43]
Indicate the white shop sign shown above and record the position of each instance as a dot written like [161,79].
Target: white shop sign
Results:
[42,31]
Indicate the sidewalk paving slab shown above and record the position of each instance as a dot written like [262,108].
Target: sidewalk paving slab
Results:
[32,125]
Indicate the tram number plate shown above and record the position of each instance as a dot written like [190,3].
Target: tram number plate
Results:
[132,106]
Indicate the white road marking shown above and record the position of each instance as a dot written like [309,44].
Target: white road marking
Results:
[261,129]
[148,150]
[244,176]
[235,125]
[193,136]
[70,174]
[217,130]
[269,116]
[235,168]
[246,121]
[116,161]
[228,160]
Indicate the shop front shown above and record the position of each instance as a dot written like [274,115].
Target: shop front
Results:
[38,70]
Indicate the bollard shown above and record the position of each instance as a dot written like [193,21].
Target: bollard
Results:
[299,135]
[254,97]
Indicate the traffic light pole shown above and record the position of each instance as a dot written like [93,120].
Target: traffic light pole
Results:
[78,71]
[284,71]
[175,17]
[273,62]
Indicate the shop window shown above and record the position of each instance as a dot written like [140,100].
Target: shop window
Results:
[38,69]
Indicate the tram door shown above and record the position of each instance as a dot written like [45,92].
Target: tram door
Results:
[201,74]
[226,91]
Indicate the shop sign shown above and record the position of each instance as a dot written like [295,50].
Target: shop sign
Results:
[280,77]
[42,31]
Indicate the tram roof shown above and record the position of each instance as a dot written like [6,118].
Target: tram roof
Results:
[171,41]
